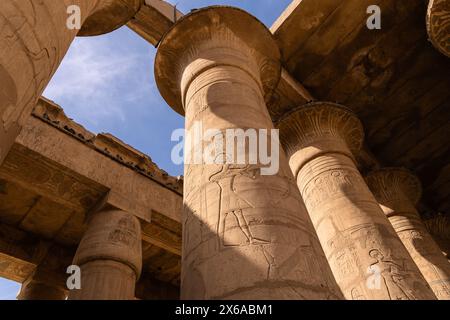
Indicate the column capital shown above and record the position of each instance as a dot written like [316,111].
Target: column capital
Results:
[211,37]
[109,15]
[438,25]
[38,289]
[397,190]
[391,184]
[112,235]
[318,128]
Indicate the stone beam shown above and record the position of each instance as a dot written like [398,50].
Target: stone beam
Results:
[57,158]
[320,141]
[303,16]
[153,20]
[24,256]
[234,63]
[21,253]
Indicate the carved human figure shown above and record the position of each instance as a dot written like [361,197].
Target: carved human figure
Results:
[393,276]
[320,139]
[35,37]
[246,235]
[231,201]
[397,190]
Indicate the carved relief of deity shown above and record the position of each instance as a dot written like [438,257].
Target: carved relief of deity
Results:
[393,276]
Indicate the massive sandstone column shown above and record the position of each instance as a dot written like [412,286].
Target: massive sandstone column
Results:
[438,25]
[397,191]
[366,256]
[246,235]
[33,289]
[110,257]
[34,38]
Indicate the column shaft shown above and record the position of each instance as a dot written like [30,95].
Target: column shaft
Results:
[110,257]
[246,235]
[397,191]
[366,256]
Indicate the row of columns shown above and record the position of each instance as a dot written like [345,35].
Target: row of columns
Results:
[398,191]
[321,140]
[248,236]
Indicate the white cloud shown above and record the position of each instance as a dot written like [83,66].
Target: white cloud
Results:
[97,76]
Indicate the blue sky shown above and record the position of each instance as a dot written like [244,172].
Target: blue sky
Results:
[106,84]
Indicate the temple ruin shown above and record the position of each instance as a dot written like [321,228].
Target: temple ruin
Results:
[363,186]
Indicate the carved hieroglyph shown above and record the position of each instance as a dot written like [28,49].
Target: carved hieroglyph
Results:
[438,25]
[366,256]
[245,235]
[110,257]
[35,37]
[397,191]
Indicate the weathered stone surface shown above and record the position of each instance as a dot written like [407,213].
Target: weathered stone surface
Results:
[34,47]
[154,19]
[110,257]
[392,78]
[246,236]
[36,290]
[109,15]
[397,191]
[359,242]
[45,194]
[88,167]
[56,171]
[438,25]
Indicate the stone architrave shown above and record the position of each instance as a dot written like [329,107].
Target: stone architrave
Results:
[109,256]
[397,191]
[366,256]
[35,36]
[438,25]
[246,235]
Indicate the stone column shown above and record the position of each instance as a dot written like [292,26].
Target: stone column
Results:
[109,256]
[366,256]
[397,191]
[438,25]
[35,37]
[35,290]
[246,235]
